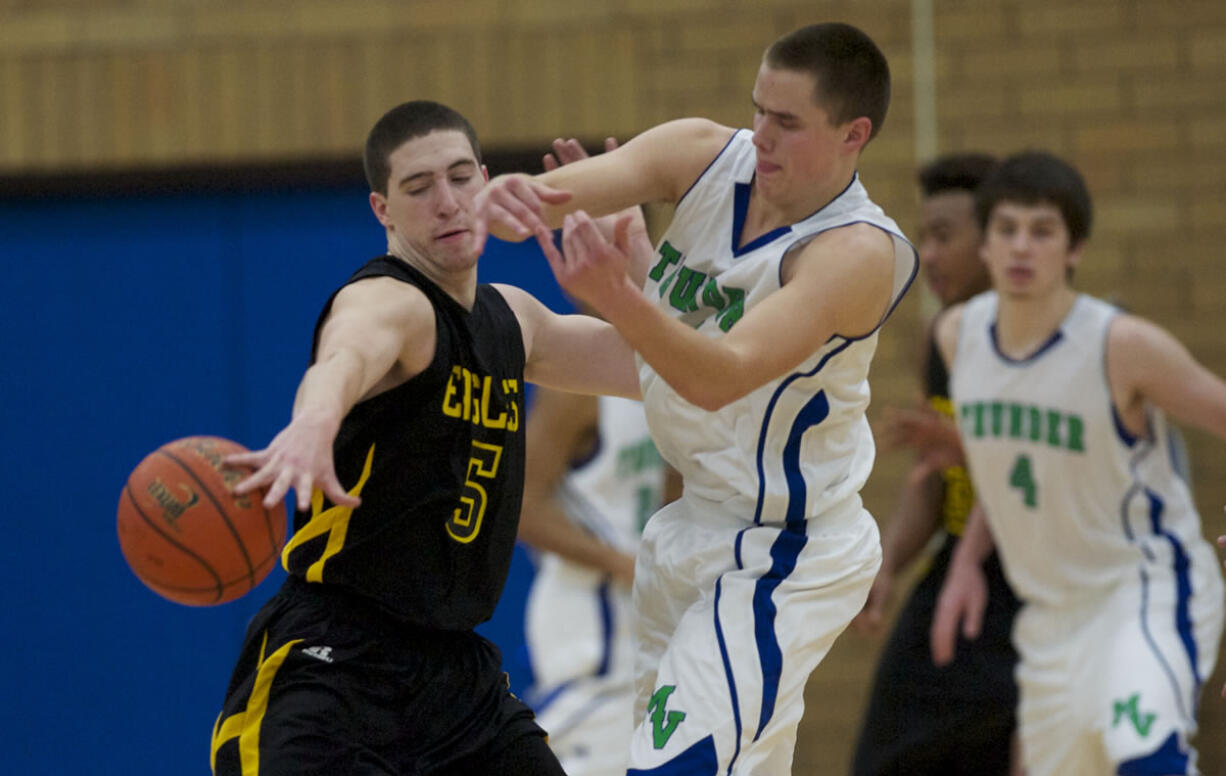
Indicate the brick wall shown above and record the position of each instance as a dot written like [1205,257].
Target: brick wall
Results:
[1130,90]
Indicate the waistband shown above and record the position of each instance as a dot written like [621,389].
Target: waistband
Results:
[361,610]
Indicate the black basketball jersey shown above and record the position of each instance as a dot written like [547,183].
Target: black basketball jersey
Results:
[958,496]
[438,463]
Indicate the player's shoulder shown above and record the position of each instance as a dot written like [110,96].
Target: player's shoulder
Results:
[520,301]
[946,328]
[697,132]
[859,239]
[1133,335]
[383,297]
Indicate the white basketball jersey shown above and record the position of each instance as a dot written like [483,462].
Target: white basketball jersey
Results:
[799,444]
[576,618]
[1075,503]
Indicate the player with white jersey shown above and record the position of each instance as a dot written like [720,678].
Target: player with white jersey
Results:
[754,332]
[578,617]
[1060,402]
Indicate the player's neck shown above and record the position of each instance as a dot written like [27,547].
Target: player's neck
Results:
[458,283]
[1023,324]
[765,215]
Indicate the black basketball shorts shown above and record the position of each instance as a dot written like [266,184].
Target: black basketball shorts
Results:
[325,686]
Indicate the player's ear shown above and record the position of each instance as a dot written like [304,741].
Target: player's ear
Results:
[858,132]
[1075,255]
[378,204]
[485,173]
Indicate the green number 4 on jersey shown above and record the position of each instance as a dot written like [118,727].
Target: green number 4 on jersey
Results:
[1022,477]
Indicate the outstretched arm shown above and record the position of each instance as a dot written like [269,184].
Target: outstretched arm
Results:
[379,333]
[839,283]
[658,165]
[641,252]
[562,427]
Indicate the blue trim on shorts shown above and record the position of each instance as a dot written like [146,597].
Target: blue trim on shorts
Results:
[606,624]
[784,554]
[1153,646]
[1183,583]
[1167,760]
[699,760]
[736,704]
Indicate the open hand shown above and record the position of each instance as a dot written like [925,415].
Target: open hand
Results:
[962,601]
[514,202]
[932,435]
[299,457]
[590,267]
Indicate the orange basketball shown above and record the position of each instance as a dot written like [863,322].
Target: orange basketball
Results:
[186,535]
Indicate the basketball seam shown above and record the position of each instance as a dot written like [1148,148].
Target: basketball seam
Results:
[127,488]
[221,511]
[189,589]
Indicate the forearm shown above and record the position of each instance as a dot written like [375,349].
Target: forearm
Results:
[915,520]
[329,389]
[546,527]
[705,371]
[976,543]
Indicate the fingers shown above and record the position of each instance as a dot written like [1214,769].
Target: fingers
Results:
[278,489]
[549,162]
[480,232]
[336,493]
[941,636]
[253,458]
[610,143]
[557,263]
[972,619]
[569,150]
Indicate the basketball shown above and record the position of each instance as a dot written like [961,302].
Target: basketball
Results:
[186,535]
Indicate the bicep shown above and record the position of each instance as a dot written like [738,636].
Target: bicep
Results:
[573,353]
[384,328]
[1159,369]
[832,289]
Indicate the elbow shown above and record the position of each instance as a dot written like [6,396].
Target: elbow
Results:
[711,397]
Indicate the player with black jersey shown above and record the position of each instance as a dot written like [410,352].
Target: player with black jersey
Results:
[960,718]
[366,662]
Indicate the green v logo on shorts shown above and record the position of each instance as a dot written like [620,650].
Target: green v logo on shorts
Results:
[1128,709]
[661,732]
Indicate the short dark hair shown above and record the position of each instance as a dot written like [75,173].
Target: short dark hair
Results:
[405,122]
[853,78]
[955,172]
[1034,178]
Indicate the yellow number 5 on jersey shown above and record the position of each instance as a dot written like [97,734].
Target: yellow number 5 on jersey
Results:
[465,523]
